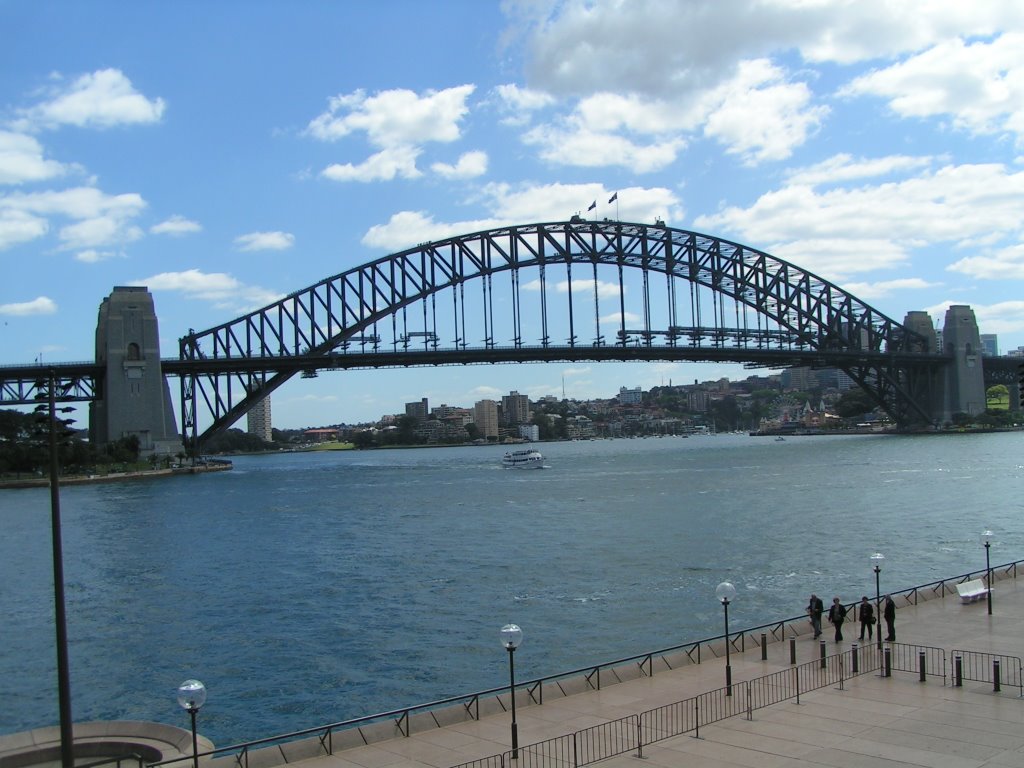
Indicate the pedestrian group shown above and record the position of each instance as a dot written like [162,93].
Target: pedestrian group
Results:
[865,615]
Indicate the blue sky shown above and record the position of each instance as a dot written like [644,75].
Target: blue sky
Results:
[228,153]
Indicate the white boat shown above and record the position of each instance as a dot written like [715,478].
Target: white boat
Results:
[529,458]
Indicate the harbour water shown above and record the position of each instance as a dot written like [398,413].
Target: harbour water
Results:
[314,587]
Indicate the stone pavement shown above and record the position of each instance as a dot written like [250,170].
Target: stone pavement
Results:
[872,721]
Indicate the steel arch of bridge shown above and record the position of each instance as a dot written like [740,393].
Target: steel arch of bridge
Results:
[690,296]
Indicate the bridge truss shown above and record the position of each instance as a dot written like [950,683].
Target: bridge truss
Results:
[574,290]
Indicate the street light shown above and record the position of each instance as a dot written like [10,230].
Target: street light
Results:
[877,559]
[50,409]
[986,537]
[726,592]
[511,637]
[191,696]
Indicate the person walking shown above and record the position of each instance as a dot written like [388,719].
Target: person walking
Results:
[814,610]
[866,614]
[889,614]
[836,617]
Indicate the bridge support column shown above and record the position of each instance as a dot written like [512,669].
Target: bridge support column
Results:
[965,378]
[134,398]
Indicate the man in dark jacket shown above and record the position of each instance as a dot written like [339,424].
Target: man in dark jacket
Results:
[836,617]
[866,614]
[889,614]
[814,609]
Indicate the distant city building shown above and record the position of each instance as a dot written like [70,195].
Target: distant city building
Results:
[418,410]
[485,416]
[633,396]
[257,421]
[515,408]
[990,345]
[799,378]
[698,400]
[529,432]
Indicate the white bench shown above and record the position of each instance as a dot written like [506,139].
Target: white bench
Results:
[970,591]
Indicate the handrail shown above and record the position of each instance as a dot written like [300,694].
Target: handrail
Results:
[590,674]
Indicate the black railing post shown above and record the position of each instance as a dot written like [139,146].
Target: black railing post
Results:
[958,672]
[796,678]
[996,686]
[764,646]
[640,736]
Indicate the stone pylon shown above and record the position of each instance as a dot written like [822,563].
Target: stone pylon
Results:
[134,396]
[965,378]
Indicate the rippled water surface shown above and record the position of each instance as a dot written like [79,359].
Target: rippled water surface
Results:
[310,588]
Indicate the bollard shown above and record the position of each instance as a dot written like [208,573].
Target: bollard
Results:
[995,676]
[824,655]
[920,665]
[854,659]
[764,647]
[958,672]
[792,650]
[888,662]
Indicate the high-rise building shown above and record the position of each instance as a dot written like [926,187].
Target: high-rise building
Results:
[418,410]
[990,345]
[485,416]
[257,421]
[515,408]
[633,396]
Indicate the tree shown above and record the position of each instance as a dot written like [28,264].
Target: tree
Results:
[854,403]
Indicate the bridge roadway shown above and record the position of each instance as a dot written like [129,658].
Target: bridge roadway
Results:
[872,721]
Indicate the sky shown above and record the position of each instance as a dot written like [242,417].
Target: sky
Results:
[226,154]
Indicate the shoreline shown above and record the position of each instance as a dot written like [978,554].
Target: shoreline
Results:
[218,465]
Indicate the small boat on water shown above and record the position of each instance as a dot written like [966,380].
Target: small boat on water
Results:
[529,458]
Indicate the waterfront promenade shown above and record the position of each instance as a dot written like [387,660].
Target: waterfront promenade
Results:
[868,720]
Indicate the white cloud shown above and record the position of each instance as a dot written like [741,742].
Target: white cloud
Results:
[93,256]
[18,227]
[175,226]
[956,204]
[265,241]
[760,116]
[382,166]
[469,165]
[843,167]
[980,85]
[38,306]
[1004,264]
[605,290]
[660,47]
[573,144]
[1001,317]
[527,203]
[394,118]
[519,104]
[218,287]
[22,160]
[100,220]
[101,99]
[871,291]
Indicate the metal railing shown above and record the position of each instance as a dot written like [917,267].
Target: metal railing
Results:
[633,732]
[645,665]
[983,667]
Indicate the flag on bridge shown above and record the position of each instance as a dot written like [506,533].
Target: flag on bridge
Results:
[613,198]
[593,205]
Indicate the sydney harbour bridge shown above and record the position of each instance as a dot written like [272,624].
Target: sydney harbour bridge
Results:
[563,291]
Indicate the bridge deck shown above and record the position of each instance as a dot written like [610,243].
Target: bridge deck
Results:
[878,721]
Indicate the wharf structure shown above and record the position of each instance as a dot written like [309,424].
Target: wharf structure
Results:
[794,701]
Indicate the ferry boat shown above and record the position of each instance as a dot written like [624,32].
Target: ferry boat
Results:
[529,458]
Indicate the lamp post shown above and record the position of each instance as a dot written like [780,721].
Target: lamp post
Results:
[67,757]
[511,637]
[877,559]
[986,537]
[725,592]
[191,696]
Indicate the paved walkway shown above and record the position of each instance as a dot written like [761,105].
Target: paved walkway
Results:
[874,721]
